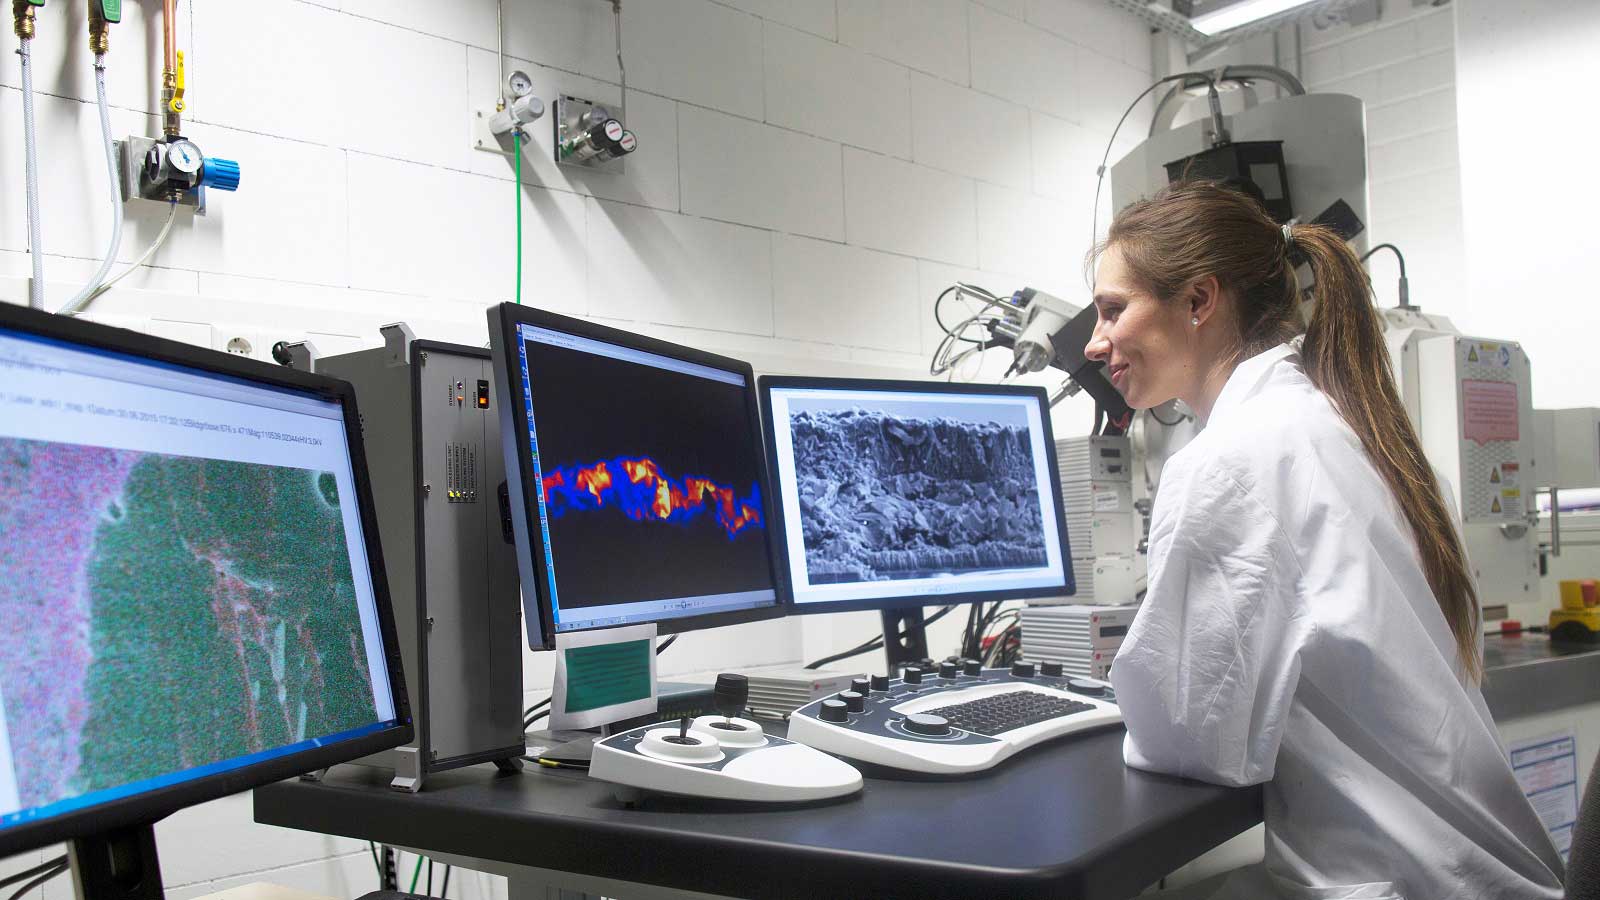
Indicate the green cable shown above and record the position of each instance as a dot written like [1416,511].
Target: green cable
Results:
[414,873]
[516,144]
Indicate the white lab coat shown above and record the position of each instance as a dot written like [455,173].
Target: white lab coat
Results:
[1289,637]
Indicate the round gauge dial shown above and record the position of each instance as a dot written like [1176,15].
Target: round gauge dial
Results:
[519,83]
[183,156]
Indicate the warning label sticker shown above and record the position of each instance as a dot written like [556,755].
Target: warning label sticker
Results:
[1486,353]
[1488,411]
[1495,506]
[1107,501]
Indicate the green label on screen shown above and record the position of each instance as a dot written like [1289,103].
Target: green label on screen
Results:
[608,674]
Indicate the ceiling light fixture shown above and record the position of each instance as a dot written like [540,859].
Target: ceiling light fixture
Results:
[1242,13]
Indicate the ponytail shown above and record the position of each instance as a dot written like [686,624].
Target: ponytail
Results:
[1346,358]
[1199,229]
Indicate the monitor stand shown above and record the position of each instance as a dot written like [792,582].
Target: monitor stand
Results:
[905,640]
[120,864]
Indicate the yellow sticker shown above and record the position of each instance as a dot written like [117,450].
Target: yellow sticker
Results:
[1494,475]
[1472,354]
[1495,506]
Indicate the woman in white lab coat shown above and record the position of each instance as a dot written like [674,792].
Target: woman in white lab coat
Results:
[1310,622]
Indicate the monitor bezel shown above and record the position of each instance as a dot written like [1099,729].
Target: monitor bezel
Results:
[769,425]
[156,804]
[503,322]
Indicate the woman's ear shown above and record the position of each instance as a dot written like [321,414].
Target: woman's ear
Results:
[1205,298]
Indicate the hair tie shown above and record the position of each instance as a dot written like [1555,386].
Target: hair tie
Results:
[1288,234]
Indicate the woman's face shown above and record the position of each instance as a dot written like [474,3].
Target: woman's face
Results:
[1146,344]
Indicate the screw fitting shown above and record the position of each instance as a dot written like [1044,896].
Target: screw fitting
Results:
[22,19]
[99,33]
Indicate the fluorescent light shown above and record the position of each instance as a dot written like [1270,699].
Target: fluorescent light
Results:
[1242,13]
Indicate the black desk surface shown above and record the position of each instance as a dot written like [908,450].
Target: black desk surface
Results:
[1065,820]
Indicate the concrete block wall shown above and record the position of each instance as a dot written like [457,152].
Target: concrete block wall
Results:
[811,174]
[1403,67]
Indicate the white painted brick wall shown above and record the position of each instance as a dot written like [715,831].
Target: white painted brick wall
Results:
[1403,67]
[811,174]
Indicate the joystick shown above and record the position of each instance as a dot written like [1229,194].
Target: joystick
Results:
[730,695]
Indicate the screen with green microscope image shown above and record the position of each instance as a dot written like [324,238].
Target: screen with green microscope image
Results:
[170,616]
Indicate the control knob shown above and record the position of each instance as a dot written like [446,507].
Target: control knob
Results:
[947,670]
[861,686]
[1050,669]
[971,667]
[924,723]
[1084,686]
[1022,670]
[880,683]
[912,675]
[834,711]
[854,701]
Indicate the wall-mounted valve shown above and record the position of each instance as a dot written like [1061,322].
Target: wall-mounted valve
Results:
[589,135]
[173,170]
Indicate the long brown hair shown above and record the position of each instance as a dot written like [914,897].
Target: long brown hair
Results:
[1193,230]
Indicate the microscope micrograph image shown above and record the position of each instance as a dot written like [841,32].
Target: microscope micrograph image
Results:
[886,495]
[641,491]
[166,612]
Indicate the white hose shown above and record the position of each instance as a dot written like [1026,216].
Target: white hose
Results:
[77,303]
[31,156]
[172,214]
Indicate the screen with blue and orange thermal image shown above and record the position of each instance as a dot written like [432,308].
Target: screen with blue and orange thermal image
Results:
[649,476]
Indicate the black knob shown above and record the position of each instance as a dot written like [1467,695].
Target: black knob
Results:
[912,675]
[971,667]
[834,711]
[880,683]
[1084,686]
[1022,670]
[861,686]
[1050,669]
[923,723]
[731,695]
[947,670]
[855,701]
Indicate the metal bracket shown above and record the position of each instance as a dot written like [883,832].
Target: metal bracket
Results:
[397,338]
[568,119]
[135,186]
[303,355]
[407,770]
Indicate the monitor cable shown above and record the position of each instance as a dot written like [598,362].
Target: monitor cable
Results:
[875,643]
[1405,285]
[45,872]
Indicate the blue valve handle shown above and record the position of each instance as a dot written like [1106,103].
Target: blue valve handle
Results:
[222,174]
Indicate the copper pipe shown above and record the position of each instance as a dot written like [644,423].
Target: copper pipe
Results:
[169,24]
[22,19]
[171,120]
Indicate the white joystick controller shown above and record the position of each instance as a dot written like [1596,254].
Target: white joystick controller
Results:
[681,745]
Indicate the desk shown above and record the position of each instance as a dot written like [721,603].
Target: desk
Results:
[1065,820]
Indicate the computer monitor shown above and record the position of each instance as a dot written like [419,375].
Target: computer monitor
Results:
[899,494]
[193,596]
[638,489]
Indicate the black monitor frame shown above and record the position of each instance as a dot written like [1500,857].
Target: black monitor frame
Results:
[503,322]
[139,811]
[903,614]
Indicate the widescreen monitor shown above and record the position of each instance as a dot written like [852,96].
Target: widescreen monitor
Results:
[192,594]
[638,489]
[899,494]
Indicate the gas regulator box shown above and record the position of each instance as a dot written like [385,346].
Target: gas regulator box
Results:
[434,456]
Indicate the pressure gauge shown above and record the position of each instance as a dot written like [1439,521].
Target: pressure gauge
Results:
[184,157]
[519,83]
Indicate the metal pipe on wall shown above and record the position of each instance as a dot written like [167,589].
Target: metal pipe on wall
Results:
[171,116]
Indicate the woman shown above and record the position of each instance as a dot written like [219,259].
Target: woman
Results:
[1310,622]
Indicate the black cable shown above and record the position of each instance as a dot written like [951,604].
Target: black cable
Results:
[940,319]
[48,864]
[534,718]
[537,706]
[59,868]
[1397,255]
[661,647]
[1405,284]
[1100,173]
[444,889]
[373,850]
[875,643]
[429,892]
[1099,419]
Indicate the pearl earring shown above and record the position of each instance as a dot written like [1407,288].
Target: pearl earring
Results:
[1195,321]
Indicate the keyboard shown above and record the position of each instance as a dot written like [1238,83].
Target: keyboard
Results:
[956,720]
[997,714]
